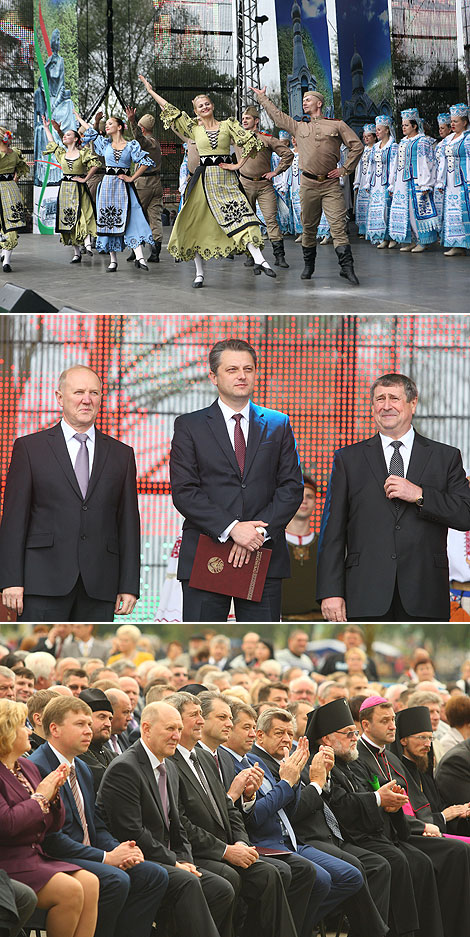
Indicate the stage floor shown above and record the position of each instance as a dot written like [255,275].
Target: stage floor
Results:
[390,282]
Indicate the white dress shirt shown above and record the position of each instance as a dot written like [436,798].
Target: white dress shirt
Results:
[404,450]
[227,414]
[73,445]
[154,761]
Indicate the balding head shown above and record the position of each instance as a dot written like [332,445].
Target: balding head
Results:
[161,727]
[122,710]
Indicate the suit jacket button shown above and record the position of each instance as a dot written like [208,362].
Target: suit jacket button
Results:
[394,556]
[83,537]
[243,486]
[84,508]
[397,527]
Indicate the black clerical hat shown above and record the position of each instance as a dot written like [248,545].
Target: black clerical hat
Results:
[328,718]
[194,688]
[97,700]
[412,721]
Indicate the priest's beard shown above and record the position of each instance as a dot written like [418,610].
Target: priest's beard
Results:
[348,757]
[421,762]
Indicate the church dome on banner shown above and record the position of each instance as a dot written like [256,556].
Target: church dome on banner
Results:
[301,79]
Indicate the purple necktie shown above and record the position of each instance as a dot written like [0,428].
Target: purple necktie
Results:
[81,467]
[163,791]
[239,440]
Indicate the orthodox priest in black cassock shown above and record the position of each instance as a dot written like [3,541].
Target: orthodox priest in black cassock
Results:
[450,858]
[414,904]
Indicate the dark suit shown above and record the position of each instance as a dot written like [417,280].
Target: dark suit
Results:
[210,493]
[260,884]
[51,538]
[129,901]
[98,757]
[453,774]
[367,548]
[130,799]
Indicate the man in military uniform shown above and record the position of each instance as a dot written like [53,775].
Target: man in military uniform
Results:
[318,144]
[149,184]
[256,180]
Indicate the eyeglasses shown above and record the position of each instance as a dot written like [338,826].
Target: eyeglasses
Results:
[353,734]
[423,738]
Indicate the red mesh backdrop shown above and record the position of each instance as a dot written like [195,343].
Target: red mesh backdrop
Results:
[317,369]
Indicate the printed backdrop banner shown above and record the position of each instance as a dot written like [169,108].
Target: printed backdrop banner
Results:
[365,64]
[304,52]
[55,97]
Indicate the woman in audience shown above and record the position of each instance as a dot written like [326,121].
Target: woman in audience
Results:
[128,637]
[356,660]
[31,808]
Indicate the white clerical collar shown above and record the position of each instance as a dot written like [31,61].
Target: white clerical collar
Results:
[300,540]
[406,440]
[69,431]
[373,744]
[228,412]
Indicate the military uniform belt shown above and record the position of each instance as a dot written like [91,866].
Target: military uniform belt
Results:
[252,178]
[311,175]
[155,172]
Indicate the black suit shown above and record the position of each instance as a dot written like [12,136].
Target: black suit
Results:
[130,800]
[98,757]
[260,884]
[210,493]
[453,774]
[367,548]
[51,538]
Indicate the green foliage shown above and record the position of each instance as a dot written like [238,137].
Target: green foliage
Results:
[61,15]
[284,39]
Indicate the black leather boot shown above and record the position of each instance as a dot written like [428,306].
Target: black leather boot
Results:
[310,254]
[279,256]
[154,257]
[248,262]
[345,259]
[131,257]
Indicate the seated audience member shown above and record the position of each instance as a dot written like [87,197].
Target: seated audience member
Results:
[453,774]
[330,690]
[433,703]
[178,675]
[91,665]
[24,685]
[215,829]
[276,694]
[237,693]
[258,684]
[303,688]
[397,695]
[143,670]
[412,745]
[464,681]
[356,661]
[213,729]
[175,654]
[85,644]
[122,714]
[248,657]
[242,678]
[7,683]
[424,669]
[105,676]
[131,890]
[98,756]
[60,689]
[196,644]
[56,641]
[123,668]
[271,669]
[130,686]
[458,717]
[222,680]
[139,796]
[355,704]
[358,683]
[264,651]
[127,638]
[352,636]
[220,648]
[31,810]
[64,664]
[17,904]
[76,680]
[294,655]
[299,709]
[298,592]
[36,706]
[292,673]
[157,693]
[43,666]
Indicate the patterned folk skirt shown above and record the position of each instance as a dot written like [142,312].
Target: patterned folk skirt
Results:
[12,213]
[216,218]
[75,217]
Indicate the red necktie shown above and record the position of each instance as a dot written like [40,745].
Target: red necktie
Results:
[240,444]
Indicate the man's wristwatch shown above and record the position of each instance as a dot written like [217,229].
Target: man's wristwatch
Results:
[419,501]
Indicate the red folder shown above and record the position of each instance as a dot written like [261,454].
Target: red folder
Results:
[212,571]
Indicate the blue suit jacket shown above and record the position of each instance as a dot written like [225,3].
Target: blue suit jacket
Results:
[68,843]
[263,823]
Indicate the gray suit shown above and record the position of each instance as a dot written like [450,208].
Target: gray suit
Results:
[98,649]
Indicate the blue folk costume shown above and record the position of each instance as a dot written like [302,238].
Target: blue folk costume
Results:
[439,155]
[454,177]
[281,184]
[413,212]
[360,184]
[295,173]
[380,177]
[120,220]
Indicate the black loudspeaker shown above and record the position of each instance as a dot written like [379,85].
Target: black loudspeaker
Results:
[16,299]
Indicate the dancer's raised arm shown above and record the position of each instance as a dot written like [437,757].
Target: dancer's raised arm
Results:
[83,123]
[161,101]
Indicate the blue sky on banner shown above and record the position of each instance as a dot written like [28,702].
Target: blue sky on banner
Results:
[314,21]
[364,25]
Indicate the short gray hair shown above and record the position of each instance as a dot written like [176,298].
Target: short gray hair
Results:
[180,700]
[391,380]
[421,697]
[266,719]
[7,673]
[41,663]
[206,700]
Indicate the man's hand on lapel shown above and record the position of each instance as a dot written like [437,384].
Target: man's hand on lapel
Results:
[397,487]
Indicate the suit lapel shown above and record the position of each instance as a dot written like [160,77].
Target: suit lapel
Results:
[56,440]
[147,770]
[217,425]
[255,434]
[374,454]
[420,454]
[99,459]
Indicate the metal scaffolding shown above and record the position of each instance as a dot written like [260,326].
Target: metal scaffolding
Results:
[248,62]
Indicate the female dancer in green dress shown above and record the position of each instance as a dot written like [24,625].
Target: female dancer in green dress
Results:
[216,218]
[75,217]
[12,213]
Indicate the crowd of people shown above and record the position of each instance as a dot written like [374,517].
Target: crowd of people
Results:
[228,791]
[235,179]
